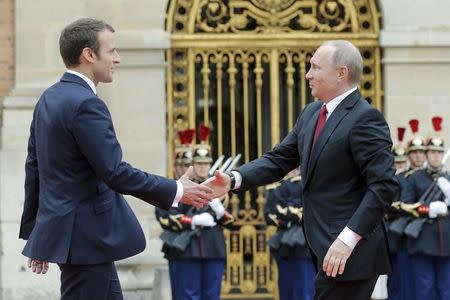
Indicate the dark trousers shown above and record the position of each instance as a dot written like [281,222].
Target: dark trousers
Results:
[400,281]
[295,278]
[90,282]
[198,279]
[431,276]
[174,286]
[328,288]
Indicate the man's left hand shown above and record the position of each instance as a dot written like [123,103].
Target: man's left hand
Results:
[38,266]
[336,258]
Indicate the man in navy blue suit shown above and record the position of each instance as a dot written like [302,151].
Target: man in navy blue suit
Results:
[74,212]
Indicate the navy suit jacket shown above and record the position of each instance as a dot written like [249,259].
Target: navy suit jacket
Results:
[348,180]
[75,178]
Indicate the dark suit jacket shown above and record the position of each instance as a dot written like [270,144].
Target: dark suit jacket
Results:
[75,178]
[348,180]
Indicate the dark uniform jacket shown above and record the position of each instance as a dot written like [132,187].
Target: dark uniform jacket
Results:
[207,242]
[398,219]
[283,209]
[434,237]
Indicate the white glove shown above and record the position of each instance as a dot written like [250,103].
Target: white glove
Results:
[205,219]
[437,208]
[217,207]
[444,185]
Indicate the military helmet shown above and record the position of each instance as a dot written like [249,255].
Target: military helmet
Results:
[398,149]
[202,151]
[183,153]
[436,142]
[417,142]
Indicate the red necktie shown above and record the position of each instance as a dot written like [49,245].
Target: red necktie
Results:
[320,122]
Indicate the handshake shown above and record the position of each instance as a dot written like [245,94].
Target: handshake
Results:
[199,195]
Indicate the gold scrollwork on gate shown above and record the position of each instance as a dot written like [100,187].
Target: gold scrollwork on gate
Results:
[239,66]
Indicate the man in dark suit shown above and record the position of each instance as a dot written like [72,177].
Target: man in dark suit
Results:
[74,212]
[343,145]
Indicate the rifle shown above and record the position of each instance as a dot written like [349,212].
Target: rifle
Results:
[233,163]
[226,164]
[432,193]
[215,165]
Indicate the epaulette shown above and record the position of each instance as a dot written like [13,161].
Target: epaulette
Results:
[272,186]
[296,178]
[410,172]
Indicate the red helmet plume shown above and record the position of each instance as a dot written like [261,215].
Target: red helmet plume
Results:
[401,133]
[414,125]
[437,123]
[204,133]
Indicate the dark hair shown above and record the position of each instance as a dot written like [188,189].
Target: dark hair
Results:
[78,35]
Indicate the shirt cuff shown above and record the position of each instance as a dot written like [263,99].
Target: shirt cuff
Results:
[179,194]
[238,178]
[349,237]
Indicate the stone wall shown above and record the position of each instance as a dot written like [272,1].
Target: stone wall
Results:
[6,48]
[416,63]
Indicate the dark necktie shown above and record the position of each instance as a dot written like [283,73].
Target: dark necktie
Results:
[320,122]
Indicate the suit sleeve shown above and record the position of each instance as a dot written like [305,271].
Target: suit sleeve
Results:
[94,132]
[371,149]
[31,203]
[273,165]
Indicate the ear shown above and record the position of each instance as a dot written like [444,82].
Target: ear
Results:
[342,73]
[87,55]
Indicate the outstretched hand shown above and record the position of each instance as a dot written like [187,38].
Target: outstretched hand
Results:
[194,194]
[219,184]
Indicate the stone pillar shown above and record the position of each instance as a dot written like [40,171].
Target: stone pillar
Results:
[416,63]
[6,49]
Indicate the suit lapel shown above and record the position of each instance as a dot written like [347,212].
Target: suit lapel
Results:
[309,134]
[330,126]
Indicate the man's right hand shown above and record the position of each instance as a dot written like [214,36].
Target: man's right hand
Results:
[219,183]
[194,194]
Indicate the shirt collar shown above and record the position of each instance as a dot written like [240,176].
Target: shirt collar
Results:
[85,78]
[331,106]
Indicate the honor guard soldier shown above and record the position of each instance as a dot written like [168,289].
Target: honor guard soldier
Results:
[428,237]
[182,161]
[416,149]
[186,157]
[183,152]
[193,240]
[399,281]
[288,245]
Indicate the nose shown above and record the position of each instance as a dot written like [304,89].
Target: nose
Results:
[308,75]
[117,58]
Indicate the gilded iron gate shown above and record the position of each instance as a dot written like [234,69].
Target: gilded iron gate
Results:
[239,67]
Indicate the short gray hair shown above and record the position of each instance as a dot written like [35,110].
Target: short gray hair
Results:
[347,54]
